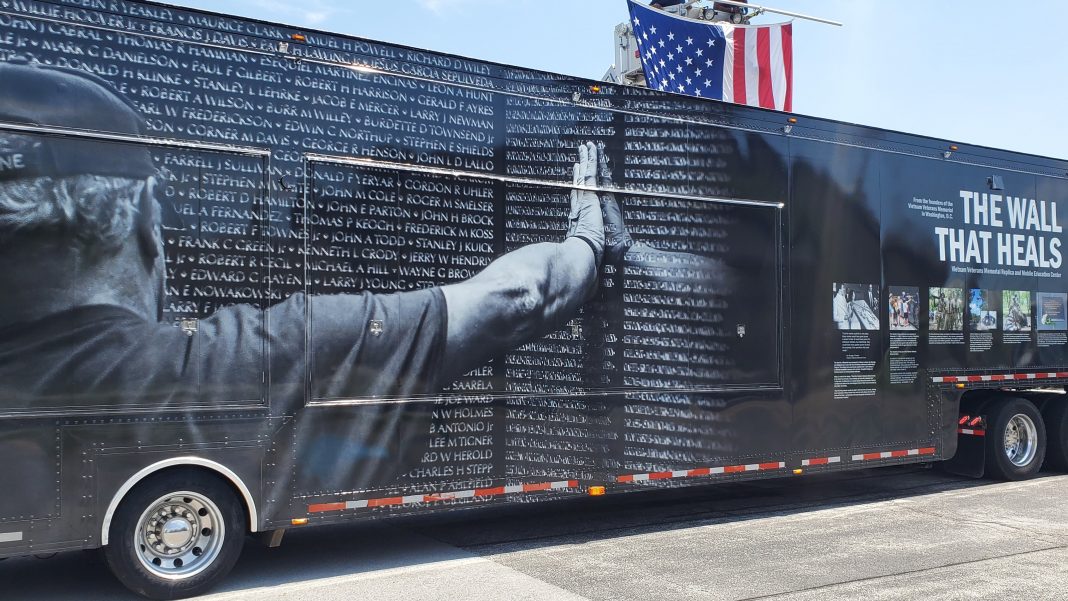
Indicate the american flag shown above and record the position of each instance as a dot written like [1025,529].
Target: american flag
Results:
[744,64]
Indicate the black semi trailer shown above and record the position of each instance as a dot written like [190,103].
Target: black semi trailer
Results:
[256,277]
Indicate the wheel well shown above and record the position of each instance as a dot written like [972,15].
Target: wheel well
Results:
[974,401]
[179,464]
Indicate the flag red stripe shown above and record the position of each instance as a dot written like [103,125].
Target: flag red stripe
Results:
[788,64]
[739,66]
[767,95]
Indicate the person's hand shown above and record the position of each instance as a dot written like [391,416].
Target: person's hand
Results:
[586,221]
[617,238]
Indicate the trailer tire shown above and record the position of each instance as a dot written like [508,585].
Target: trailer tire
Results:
[176,535]
[1015,439]
[1055,414]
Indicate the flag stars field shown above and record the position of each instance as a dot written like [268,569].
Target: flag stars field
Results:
[753,65]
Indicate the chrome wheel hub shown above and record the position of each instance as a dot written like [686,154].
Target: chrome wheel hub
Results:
[179,535]
[176,533]
[1020,440]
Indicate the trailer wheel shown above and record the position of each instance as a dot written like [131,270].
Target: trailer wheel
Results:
[1015,439]
[1055,414]
[176,535]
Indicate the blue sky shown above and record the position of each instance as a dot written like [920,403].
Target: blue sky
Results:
[966,70]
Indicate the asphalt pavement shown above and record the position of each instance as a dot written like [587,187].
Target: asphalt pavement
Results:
[894,533]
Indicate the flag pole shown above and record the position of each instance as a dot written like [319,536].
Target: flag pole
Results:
[758,9]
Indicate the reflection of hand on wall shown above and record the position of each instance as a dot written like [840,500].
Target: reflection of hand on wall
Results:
[586,221]
[621,248]
[530,291]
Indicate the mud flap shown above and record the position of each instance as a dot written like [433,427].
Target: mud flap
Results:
[970,459]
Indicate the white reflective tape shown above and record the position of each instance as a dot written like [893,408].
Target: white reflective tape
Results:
[513,488]
[914,451]
[834,460]
[564,484]
[641,477]
[1051,375]
[985,378]
[886,454]
[858,457]
[752,467]
[805,463]
[412,499]
[716,470]
[463,494]
[938,380]
[10,537]
[680,473]
[356,504]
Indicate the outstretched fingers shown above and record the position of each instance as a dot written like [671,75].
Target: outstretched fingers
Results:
[588,159]
[576,180]
[604,172]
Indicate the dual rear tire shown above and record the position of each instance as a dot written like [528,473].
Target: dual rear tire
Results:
[1015,439]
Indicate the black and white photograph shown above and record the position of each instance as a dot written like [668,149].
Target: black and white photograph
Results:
[855,306]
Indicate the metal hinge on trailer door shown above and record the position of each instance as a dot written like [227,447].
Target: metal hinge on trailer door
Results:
[189,326]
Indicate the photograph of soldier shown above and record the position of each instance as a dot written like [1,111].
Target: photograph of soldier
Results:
[983,310]
[947,309]
[1017,307]
[83,276]
[903,308]
[1051,310]
[854,306]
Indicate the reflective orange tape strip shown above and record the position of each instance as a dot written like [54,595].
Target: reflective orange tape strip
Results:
[894,454]
[443,496]
[702,471]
